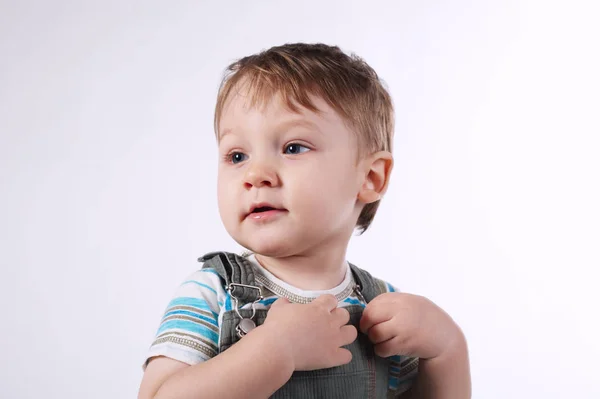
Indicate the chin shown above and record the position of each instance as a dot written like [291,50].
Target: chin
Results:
[272,248]
[271,245]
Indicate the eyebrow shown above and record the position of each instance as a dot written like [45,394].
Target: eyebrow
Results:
[298,122]
[224,133]
[286,125]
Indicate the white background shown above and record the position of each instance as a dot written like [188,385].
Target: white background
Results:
[108,166]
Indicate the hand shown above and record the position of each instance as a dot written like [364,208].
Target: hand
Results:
[411,325]
[313,333]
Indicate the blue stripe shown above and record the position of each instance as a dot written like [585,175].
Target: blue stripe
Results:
[189,326]
[390,288]
[192,314]
[228,303]
[268,302]
[213,271]
[353,302]
[200,284]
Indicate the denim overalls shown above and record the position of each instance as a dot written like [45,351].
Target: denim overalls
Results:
[365,377]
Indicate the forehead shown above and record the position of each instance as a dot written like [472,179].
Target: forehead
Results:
[242,110]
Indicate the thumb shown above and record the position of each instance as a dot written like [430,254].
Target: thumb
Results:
[366,322]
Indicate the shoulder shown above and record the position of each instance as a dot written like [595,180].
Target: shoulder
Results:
[189,329]
[380,286]
[384,286]
[203,288]
[204,279]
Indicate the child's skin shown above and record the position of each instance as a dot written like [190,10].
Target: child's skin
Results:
[308,166]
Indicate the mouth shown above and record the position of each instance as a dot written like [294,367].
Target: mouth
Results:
[263,211]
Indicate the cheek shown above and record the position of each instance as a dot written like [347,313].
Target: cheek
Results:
[221,195]
[338,179]
[225,196]
[325,189]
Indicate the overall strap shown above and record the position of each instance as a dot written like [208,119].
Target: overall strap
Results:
[233,269]
[370,287]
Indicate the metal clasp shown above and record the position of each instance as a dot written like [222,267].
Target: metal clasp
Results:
[245,325]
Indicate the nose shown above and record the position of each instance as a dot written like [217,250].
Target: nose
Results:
[260,174]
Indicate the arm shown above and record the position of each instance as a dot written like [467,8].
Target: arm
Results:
[411,325]
[254,367]
[445,376]
[293,337]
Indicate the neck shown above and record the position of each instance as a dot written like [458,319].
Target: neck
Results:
[319,269]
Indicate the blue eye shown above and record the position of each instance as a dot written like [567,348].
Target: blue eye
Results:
[237,157]
[294,149]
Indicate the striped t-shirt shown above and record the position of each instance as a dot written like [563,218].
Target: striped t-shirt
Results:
[189,329]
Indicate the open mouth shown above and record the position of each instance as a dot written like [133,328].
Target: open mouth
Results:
[264,209]
[264,212]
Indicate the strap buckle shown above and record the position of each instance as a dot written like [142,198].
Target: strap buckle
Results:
[245,324]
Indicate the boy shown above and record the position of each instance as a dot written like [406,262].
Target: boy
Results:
[304,135]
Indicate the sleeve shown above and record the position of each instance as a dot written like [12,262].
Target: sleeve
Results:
[403,372]
[189,329]
[390,288]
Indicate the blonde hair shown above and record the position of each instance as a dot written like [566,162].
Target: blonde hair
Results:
[298,71]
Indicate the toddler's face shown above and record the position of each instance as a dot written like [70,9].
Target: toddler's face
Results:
[288,182]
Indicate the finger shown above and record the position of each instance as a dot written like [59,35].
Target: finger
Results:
[382,332]
[366,322]
[329,301]
[341,316]
[341,356]
[280,301]
[348,334]
[375,313]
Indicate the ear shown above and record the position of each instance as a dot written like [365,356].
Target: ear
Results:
[377,169]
